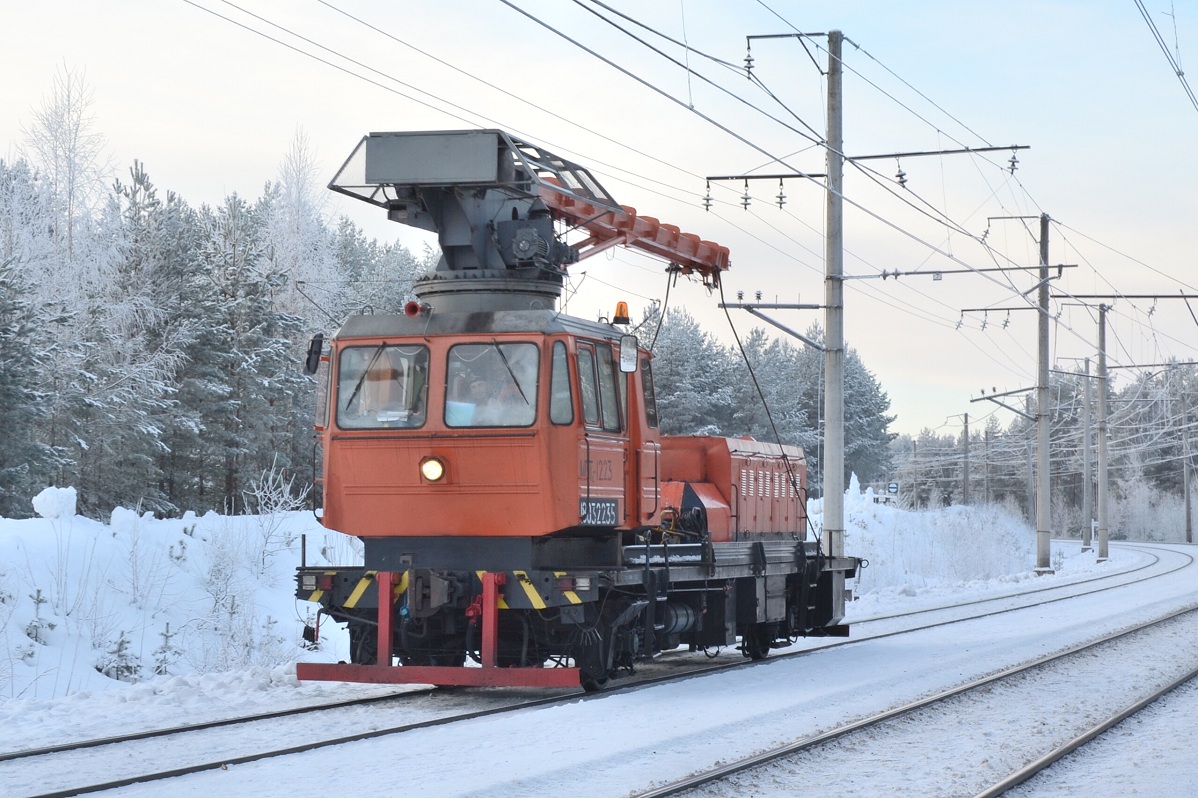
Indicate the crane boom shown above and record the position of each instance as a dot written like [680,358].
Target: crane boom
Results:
[688,252]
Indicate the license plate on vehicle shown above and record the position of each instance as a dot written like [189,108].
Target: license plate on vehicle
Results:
[599,512]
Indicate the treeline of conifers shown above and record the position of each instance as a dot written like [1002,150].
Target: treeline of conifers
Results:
[1150,426]
[150,350]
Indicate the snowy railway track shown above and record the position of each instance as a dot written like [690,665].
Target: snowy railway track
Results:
[1059,753]
[928,736]
[86,767]
[81,767]
[1092,583]
[1156,568]
[947,614]
[80,745]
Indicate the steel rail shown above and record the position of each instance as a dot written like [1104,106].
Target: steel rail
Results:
[808,743]
[296,749]
[1054,756]
[149,734]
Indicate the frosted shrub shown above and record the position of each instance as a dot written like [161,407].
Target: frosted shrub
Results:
[147,572]
[37,628]
[1067,521]
[8,602]
[222,558]
[272,646]
[236,640]
[119,662]
[229,560]
[137,596]
[167,653]
[271,496]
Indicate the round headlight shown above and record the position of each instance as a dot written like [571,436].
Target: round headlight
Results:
[432,468]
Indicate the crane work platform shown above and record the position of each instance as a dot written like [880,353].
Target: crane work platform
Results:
[494,199]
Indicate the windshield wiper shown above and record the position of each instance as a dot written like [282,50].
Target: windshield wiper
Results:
[365,371]
[510,373]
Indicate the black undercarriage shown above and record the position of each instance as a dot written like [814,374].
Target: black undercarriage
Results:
[655,597]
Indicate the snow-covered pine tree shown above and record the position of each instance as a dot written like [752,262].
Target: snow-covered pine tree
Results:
[775,364]
[866,423]
[691,376]
[377,277]
[136,336]
[25,463]
[244,379]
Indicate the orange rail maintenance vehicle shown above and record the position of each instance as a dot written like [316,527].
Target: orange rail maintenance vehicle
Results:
[523,520]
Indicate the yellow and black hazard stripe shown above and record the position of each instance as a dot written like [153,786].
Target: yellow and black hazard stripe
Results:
[571,596]
[359,590]
[363,593]
[537,591]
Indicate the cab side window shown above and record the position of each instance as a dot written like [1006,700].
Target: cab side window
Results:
[561,399]
[649,394]
[587,387]
[598,387]
[324,375]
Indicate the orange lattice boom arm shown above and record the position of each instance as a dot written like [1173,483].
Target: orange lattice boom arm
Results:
[686,251]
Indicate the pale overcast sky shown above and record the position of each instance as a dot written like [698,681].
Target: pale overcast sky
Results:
[211,108]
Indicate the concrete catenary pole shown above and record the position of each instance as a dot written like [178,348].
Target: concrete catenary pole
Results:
[1185,463]
[1031,460]
[1043,478]
[834,313]
[986,457]
[965,465]
[1185,471]
[1103,482]
[1087,469]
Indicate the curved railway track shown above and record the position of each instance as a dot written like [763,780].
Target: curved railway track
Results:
[1087,583]
[1057,754]
[315,727]
[876,737]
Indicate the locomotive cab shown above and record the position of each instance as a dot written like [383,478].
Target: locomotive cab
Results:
[493,432]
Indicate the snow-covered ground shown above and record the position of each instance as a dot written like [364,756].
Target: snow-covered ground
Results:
[205,604]
[90,611]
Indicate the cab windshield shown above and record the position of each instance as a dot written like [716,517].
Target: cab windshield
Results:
[382,386]
[491,385]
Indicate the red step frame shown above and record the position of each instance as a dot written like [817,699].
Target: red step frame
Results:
[489,675]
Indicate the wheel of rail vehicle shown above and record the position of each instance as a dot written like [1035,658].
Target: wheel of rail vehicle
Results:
[363,644]
[755,644]
[517,643]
